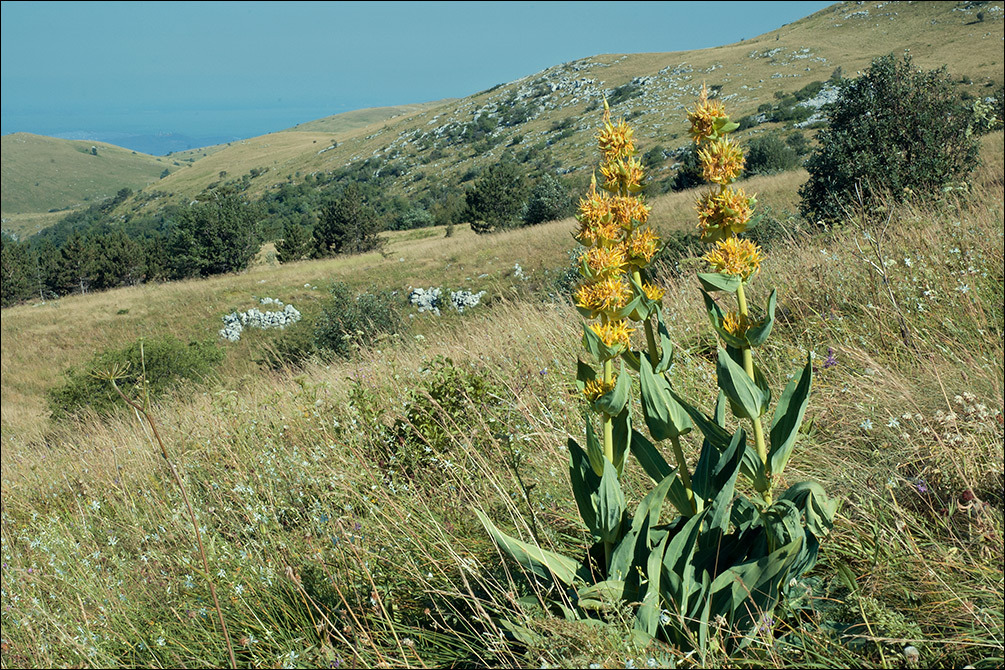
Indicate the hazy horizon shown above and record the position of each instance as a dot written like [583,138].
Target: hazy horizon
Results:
[214,72]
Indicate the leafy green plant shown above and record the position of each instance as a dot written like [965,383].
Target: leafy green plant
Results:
[768,154]
[450,400]
[724,563]
[158,364]
[350,320]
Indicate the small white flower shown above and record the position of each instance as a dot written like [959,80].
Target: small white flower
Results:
[893,423]
[866,425]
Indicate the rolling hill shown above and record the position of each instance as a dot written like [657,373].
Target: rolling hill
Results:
[44,173]
[547,119]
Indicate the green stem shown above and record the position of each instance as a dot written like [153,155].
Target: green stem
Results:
[608,420]
[748,366]
[685,476]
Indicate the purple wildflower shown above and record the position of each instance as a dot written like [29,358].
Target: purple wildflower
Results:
[831,359]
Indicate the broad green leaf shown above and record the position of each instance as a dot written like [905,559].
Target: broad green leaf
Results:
[715,480]
[747,400]
[713,431]
[584,373]
[647,617]
[610,503]
[658,469]
[664,416]
[635,544]
[649,458]
[622,435]
[782,523]
[626,311]
[716,281]
[745,591]
[788,417]
[679,584]
[543,563]
[602,595]
[612,402]
[585,486]
[757,335]
[666,347]
[753,469]
[817,508]
[715,316]
[594,449]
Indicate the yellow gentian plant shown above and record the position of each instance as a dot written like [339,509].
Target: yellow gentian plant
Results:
[725,559]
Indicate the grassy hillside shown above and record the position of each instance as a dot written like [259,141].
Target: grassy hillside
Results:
[543,120]
[45,173]
[360,118]
[327,550]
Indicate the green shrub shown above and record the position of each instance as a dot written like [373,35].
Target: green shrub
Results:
[768,154]
[162,363]
[893,131]
[549,201]
[449,401]
[495,200]
[349,321]
[689,171]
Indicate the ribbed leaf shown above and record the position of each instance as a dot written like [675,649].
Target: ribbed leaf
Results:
[622,434]
[612,402]
[715,317]
[716,281]
[585,486]
[757,335]
[747,400]
[610,503]
[789,415]
[594,450]
[817,508]
[647,617]
[543,563]
[663,414]
[658,470]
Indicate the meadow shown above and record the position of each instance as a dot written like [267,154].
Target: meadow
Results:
[337,501]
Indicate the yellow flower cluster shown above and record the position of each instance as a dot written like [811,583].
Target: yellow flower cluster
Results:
[721,161]
[733,256]
[704,116]
[595,388]
[613,333]
[738,324]
[723,214]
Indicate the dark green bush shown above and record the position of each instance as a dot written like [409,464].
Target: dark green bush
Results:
[349,321]
[156,365]
[768,154]
[689,171]
[549,201]
[894,131]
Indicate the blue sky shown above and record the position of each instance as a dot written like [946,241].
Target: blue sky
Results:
[239,69]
